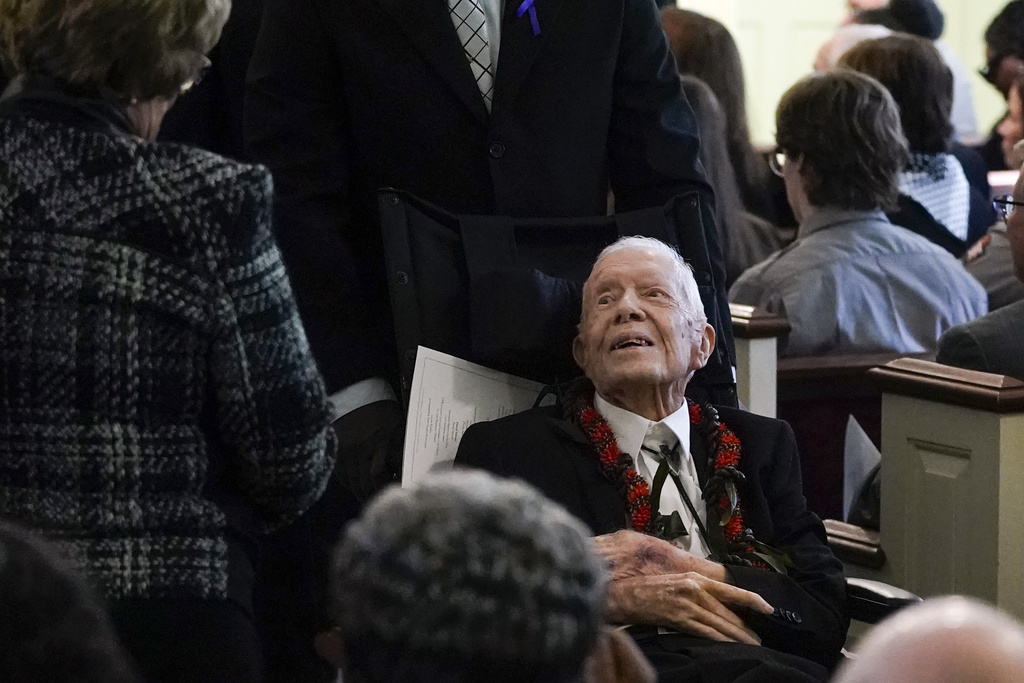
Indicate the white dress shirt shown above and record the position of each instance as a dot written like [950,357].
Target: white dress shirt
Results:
[630,432]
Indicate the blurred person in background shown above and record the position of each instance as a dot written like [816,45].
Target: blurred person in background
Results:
[704,48]
[925,19]
[161,407]
[744,238]
[943,640]
[843,40]
[990,260]
[936,200]
[1004,62]
[52,626]
[993,342]
[852,282]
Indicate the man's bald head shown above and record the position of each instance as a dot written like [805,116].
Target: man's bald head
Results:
[947,640]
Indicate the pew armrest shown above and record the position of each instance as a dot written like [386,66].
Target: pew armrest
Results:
[749,322]
[854,544]
[871,601]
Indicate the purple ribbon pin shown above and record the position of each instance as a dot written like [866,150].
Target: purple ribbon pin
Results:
[527,6]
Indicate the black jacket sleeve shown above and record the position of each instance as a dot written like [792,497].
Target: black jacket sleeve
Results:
[652,140]
[959,347]
[811,617]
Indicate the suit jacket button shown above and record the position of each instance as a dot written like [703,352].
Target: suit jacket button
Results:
[497,150]
[796,618]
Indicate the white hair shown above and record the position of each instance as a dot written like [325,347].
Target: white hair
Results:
[692,306]
[952,639]
[844,40]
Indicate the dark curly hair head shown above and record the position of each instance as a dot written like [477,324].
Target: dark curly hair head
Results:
[121,49]
[916,76]
[52,629]
[1005,35]
[846,127]
[465,577]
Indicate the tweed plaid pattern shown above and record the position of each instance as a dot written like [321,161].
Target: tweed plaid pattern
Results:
[147,333]
[471,25]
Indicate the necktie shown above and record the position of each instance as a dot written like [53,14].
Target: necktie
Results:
[471,26]
[663,445]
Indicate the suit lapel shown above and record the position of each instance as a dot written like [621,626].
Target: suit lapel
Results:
[607,511]
[428,24]
[519,46]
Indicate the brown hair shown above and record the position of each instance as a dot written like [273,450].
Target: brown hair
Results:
[123,49]
[847,128]
[918,79]
[704,48]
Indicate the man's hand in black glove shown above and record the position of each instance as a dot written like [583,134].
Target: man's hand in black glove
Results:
[370,440]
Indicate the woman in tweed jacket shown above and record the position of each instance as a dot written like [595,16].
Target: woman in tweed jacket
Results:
[159,406]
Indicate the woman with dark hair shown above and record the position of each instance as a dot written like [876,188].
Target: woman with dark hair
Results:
[937,201]
[852,282]
[745,239]
[704,48]
[160,404]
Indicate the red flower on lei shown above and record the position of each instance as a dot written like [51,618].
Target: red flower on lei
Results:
[634,489]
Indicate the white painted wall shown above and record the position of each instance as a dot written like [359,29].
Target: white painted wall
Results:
[778,40]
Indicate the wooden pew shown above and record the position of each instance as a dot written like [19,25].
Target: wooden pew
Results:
[756,334]
[953,481]
[816,396]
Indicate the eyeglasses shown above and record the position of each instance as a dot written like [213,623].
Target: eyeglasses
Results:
[1005,206]
[776,161]
[198,78]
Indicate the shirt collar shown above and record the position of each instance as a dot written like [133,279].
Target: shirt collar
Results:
[630,428]
[820,218]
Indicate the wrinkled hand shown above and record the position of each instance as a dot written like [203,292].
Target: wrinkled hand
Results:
[690,602]
[370,440]
[631,554]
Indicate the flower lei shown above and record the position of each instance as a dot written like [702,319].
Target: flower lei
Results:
[720,491]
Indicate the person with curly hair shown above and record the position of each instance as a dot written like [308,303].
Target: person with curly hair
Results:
[852,282]
[161,408]
[937,199]
[465,577]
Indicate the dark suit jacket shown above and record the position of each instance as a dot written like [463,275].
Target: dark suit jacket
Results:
[992,343]
[345,97]
[551,453]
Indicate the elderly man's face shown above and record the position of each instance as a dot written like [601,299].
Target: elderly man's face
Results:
[635,329]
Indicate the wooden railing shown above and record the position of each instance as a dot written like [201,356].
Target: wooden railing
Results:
[953,481]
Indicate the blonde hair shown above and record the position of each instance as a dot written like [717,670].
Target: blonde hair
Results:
[122,49]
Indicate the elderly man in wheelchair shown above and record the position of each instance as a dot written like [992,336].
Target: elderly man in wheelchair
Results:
[719,569]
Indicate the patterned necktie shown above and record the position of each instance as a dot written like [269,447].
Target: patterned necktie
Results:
[471,26]
[656,443]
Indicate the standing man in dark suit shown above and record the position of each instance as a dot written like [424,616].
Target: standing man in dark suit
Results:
[512,107]
[698,510]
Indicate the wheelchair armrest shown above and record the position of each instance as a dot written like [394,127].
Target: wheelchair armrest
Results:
[871,601]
